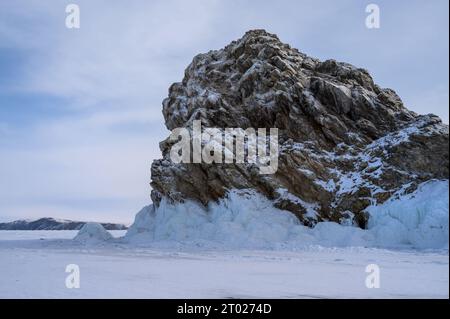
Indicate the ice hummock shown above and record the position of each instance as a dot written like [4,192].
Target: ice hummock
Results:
[419,219]
[92,233]
[246,219]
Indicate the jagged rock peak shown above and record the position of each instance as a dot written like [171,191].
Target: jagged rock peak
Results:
[259,69]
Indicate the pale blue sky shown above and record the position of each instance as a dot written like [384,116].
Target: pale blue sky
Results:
[80,110]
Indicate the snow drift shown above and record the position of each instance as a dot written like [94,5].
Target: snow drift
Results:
[246,219]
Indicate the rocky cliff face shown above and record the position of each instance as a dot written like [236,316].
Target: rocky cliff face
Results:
[344,142]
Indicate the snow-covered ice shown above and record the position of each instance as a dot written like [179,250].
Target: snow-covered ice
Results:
[419,219]
[92,233]
[240,248]
[36,268]
[246,219]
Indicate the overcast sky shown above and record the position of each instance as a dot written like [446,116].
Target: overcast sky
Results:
[80,109]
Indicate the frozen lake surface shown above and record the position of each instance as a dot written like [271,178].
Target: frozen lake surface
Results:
[33,264]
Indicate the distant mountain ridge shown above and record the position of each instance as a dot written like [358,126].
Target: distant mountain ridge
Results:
[48,223]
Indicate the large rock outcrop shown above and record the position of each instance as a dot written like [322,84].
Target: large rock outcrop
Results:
[344,142]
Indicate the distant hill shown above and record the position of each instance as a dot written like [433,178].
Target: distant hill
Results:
[48,223]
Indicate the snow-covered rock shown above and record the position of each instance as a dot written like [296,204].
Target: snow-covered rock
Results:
[92,233]
[345,144]
[355,166]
